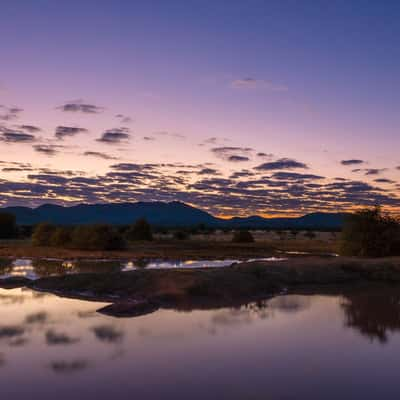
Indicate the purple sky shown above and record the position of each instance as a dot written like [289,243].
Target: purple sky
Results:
[239,107]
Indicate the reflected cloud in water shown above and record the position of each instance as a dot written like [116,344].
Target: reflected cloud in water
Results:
[107,333]
[69,367]
[59,338]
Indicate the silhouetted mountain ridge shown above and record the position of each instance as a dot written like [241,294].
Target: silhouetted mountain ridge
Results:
[173,214]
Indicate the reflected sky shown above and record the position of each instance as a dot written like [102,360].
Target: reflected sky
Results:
[39,268]
[53,345]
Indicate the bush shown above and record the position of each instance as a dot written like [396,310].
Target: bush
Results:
[370,233]
[61,237]
[181,235]
[96,237]
[140,230]
[242,237]
[8,227]
[42,234]
[310,235]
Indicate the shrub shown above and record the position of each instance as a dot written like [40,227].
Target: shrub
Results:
[8,227]
[42,234]
[370,233]
[242,237]
[181,235]
[61,237]
[96,237]
[140,230]
[310,235]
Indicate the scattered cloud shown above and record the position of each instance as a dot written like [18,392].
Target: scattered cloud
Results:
[30,128]
[124,119]
[352,162]
[10,136]
[253,83]
[9,113]
[63,131]
[98,154]
[113,136]
[232,154]
[282,163]
[48,149]
[79,106]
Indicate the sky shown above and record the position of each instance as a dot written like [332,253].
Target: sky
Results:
[237,107]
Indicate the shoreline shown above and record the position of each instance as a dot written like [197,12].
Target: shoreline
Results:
[139,292]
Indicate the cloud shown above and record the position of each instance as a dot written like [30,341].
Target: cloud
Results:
[252,83]
[10,136]
[374,171]
[124,119]
[172,134]
[282,163]
[98,154]
[295,176]
[113,136]
[208,171]
[47,149]
[9,113]
[232,154]
[370,171]
[236,158]
[264,155]
[78,106]
[383,180]
[352,162]
[30,128]
[63,131]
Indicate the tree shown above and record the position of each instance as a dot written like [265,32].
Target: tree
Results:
[96,237]
[140,230]
[42,234]
[8,227]
[370,233]
[242,237]
[61,237]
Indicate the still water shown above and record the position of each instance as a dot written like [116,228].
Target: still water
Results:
[40,268]
[290,347]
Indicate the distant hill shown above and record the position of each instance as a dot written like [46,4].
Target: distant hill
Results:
[173,214]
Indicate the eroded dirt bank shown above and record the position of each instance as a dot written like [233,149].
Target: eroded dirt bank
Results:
[139,292]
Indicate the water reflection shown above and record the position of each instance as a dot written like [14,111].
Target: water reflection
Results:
[41,268]
[374,313]
[56,345]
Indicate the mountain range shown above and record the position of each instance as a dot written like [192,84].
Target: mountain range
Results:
[162,214]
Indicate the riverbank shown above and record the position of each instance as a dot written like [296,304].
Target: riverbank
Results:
[173,249]
[138,292]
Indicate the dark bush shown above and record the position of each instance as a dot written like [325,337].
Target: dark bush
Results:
[140,230]
[310,235]
[61,237]
[370,233]
[242,237]
[8,227]
[181,235]
[96,237]
[42,234]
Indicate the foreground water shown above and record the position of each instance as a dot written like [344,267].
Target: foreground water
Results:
[290,347]
[40,268]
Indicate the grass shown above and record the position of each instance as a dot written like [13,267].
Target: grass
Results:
[176,249]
